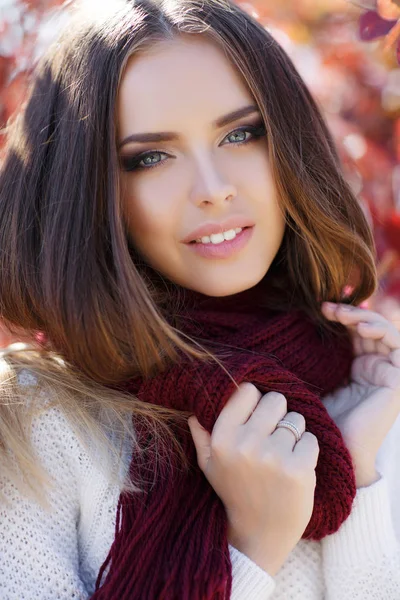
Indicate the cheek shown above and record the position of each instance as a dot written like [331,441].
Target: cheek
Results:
[254,171]
[147,211]
[268,210]
[261,187]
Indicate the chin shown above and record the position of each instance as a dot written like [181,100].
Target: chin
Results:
[220,289]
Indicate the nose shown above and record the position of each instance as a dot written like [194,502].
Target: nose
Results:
[210,188]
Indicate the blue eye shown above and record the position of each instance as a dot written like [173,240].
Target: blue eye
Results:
[140,162]
[242,131]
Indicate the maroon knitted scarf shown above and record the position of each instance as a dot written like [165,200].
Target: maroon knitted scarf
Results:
[171,541]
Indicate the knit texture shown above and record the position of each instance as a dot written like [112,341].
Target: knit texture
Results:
[177,530]
[56,554]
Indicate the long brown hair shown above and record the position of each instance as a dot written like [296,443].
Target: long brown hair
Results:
[66,266]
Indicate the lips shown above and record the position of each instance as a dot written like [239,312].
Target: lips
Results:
[207,229]
[224,250]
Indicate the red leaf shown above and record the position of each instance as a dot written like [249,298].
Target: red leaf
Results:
[372,26]
[14,94]
[3,70]
[392,231]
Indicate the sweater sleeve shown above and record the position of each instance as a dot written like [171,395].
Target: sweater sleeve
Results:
[249,581]
[362,559]
[39,555]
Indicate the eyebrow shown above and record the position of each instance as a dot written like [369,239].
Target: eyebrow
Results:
[171,136]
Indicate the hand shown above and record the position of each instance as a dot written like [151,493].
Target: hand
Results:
[252,466]
[366,409]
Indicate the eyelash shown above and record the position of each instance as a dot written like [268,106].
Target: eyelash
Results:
[132,163]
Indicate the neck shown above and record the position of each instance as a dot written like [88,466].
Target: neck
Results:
[246,300]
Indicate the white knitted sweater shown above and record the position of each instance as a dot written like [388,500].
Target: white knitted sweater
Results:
[56,555]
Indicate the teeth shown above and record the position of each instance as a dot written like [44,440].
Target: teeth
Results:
[218,238]
[230,235]
[204,240]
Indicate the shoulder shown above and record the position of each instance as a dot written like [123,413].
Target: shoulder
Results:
[62,440]
[49,451]
[38,536]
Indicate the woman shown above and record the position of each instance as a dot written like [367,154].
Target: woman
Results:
[172,216]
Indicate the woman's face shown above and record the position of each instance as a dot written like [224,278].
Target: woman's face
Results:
[201,181]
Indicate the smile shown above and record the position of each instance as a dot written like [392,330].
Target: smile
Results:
[222,245]
[218,238]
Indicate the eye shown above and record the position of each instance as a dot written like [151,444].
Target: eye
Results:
[148,160]
[141,162]
[255,132]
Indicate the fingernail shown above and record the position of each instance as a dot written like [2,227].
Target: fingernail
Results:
[346,307]
[329,304]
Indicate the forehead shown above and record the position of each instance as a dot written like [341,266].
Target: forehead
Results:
[185,80]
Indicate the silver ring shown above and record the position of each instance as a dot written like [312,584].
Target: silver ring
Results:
[289,425]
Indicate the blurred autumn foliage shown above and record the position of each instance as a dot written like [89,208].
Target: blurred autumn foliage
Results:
[347,51]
